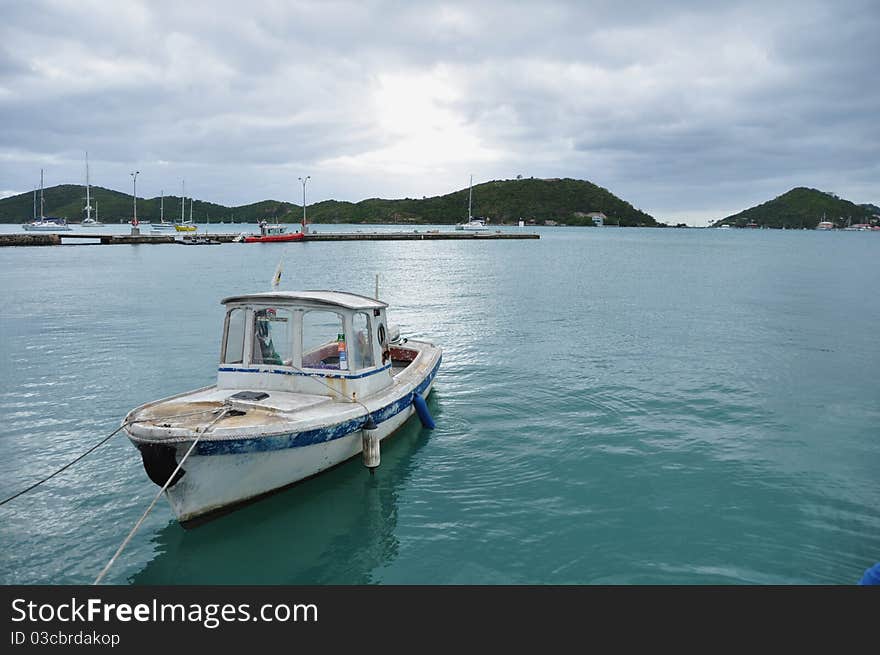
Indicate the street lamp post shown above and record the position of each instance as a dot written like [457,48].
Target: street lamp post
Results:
[134,222]
[305,230]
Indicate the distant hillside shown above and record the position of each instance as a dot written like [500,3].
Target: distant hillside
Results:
[68,201]
[801,207]
[503,201]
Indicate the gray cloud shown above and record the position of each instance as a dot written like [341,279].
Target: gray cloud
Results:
[689,110]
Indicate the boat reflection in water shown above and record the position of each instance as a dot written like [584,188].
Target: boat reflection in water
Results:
[335,528]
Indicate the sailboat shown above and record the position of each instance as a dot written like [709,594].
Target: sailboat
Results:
[45,224]
[162,225]
[88,221]
[472,224]
[184,225]
[824,224]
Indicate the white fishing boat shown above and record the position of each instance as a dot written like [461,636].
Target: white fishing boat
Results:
[44,223]
[306,380]
[472,224]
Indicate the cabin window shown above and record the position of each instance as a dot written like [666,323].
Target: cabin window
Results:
[233,350]
[363,344]
[323,340]
[273,342]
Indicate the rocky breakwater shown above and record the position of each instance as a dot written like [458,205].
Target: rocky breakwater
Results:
[44,239]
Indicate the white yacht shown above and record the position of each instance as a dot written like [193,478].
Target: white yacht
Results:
[472,224]
[88,221]
[45,223]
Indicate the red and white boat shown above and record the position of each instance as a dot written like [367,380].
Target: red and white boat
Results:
[270,233]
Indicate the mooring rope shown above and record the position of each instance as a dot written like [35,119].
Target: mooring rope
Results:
[96,446]
[137,525]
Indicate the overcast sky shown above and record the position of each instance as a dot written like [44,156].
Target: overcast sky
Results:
[689,110]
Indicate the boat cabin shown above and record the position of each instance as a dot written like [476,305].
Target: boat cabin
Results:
[305,342]
[267,230]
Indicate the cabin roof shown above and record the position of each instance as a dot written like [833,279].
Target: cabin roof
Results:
[334,298]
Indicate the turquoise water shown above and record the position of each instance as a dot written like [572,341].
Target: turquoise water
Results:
[615,406]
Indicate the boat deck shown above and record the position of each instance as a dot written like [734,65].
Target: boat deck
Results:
[179,417]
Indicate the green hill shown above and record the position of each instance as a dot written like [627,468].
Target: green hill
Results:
[68,201]
[801,207]
[502,201]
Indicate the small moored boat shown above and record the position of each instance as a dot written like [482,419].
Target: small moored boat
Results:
[306,381]
[472,224]
[184,225]
[47,224]
[270,233]
[88,221]
[162,225]
[44,223]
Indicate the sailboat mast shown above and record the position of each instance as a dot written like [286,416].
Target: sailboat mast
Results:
[162,207]
[470,196]
[41,194]
[88,197]
[182,200]
[35,204]
[190,210]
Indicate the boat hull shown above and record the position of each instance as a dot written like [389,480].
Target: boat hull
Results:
[47,228]
[472,227]
[217,483]
[296,236]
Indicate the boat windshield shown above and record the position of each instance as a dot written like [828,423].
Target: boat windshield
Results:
[363,346]
[273,343]
[323,340]
[233,349]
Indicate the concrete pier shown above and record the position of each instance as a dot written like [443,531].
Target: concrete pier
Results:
[416,236]
[54,239]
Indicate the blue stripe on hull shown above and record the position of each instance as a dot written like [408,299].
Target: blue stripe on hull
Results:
[311,437]
[322,374]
